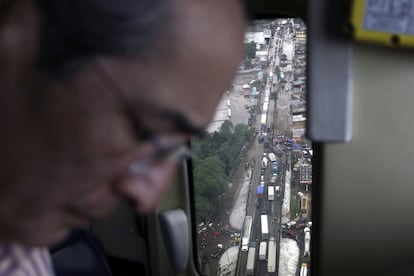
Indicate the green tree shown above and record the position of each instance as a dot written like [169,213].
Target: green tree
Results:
[202,148]
[210,180]
[204,208]
[225,153]
[244,132]
[250,50]
[226,130]
[215,157]
[257,84]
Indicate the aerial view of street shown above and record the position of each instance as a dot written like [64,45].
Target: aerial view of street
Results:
[253,206]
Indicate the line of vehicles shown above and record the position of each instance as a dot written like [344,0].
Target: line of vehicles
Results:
[267,249]
[272,188]
[264,248]
[267,246]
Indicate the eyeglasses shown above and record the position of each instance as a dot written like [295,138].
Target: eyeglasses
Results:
[176,153]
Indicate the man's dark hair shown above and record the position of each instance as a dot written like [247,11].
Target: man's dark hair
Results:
[73,31]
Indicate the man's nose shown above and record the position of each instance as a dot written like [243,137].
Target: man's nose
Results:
[147,190]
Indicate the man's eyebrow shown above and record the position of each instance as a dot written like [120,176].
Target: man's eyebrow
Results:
[181,122]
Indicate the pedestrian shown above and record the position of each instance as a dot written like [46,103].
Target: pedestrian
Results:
[98,101]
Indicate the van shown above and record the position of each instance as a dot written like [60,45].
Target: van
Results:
[264,162]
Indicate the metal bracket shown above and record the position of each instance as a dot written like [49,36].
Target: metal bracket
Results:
[329,72]
[174,226]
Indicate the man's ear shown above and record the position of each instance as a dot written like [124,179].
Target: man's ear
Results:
[19,39]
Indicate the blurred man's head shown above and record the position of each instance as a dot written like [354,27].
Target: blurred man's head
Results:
[77,123]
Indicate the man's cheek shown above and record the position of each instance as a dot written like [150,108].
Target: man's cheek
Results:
[147,191]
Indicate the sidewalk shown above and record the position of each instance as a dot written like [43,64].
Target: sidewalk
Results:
[238,211]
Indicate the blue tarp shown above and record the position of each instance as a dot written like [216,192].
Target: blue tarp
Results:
[260,190]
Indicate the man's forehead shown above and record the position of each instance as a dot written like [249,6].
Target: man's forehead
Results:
[182,84]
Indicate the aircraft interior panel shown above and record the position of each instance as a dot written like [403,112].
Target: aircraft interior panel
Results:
[365,188]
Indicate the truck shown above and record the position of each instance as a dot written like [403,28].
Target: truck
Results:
[264,227]
[277,189]
[250,261]
[265,107]
[255,93]
[271,255]
[282,76]
[262,251]
[275,168]
[306,251]
[247,228]
[304,204]
[271,193]
[263,120]
[264,162]
[272,157]
[260,191]
[304,269]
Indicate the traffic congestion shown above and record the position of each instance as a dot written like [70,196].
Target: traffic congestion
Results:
[264,225]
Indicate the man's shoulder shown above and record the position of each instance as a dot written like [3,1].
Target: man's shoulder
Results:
[16,259]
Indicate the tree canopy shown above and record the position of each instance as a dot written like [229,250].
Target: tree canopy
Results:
[250,50]
[216,155]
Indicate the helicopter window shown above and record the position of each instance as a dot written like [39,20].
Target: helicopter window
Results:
[252,168]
